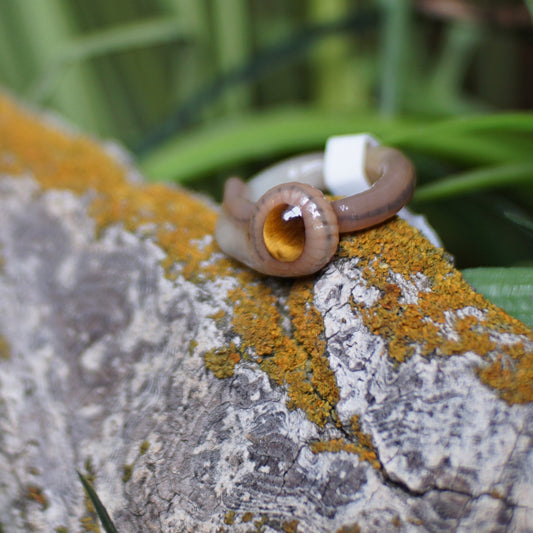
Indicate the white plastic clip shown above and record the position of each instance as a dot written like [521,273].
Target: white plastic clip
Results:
[344,163]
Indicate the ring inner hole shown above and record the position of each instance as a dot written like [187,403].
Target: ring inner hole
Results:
[284,233]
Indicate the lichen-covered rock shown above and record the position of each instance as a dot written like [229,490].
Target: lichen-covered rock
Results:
[380,395]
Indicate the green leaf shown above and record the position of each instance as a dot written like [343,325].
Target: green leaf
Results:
[116,39]
[255,136]
[476,181]
[529,4]
[509,288]
[284,131]
[125,37]
[98,506]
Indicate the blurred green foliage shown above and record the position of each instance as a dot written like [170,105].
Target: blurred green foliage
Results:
[199,89]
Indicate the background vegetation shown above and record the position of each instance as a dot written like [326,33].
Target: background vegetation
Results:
[198,89]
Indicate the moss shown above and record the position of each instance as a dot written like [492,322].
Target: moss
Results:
[192,347]
[61,529]
[78,164]
[360,443]
[247,517]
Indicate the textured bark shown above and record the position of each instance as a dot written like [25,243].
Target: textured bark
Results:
[110,353]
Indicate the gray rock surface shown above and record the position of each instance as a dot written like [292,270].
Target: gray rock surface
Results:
[105,373]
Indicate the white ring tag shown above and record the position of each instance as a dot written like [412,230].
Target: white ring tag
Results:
[344,163]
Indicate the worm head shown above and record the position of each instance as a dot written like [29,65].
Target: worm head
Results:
[293,231]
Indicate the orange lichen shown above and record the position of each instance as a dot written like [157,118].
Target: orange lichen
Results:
[364,448]
[353,528]
[183,227]
[5,349]
[67,161]
[513,379]
[229,518]
[309,333]
[291,526]
[299,360]
[222,361]
[397,248]
[36,494]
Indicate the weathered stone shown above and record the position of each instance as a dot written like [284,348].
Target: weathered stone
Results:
[380,395]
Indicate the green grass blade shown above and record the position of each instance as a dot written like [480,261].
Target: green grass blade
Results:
[45,27]
[125,37]
[397,14]
[116,39]
[490,123]
[285,131]
[529,4]
[233,46]
[476,181]
[98,506]
[509,288]
[266,135]
[479,139]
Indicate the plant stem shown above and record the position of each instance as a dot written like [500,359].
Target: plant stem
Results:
[394,54]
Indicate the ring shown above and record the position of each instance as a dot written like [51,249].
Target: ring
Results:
[281,224]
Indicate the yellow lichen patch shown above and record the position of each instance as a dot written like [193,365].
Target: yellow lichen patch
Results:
[352,528]
[5,350]
[337,445]
[183,228]
[127,472]
[309,332]
[36,494]
[396,248]
[513,379]
[58,160]
[299,360]
[363,447]
[229,518]
[222,361]
[291,526]
[218,315]
[144,446]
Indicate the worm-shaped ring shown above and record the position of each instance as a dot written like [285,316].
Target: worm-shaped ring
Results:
[281,224]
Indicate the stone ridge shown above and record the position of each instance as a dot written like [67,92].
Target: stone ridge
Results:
[206,396]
